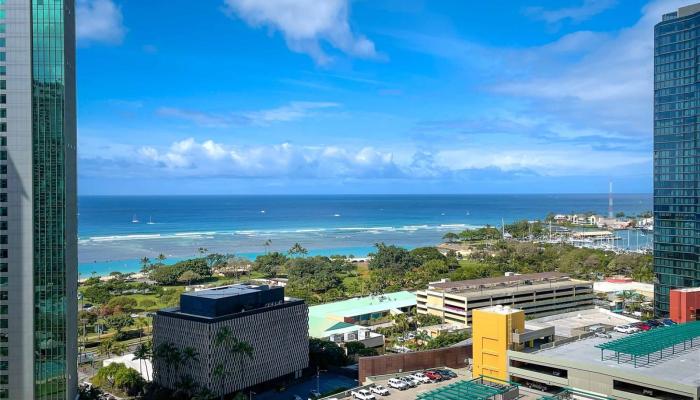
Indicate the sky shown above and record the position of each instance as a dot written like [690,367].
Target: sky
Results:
[365,96]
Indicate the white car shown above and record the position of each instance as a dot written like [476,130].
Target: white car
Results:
[626,329]
[362,394]
[380,390]
[421,377]
[410,381]
[397,384]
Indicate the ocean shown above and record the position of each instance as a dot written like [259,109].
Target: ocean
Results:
[177,226]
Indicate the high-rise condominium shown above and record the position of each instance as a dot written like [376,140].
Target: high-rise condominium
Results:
[676,153]
[38,276]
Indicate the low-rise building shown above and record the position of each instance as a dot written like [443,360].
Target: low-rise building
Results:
[351,320]
[537,295]
[684,305]
[218,326]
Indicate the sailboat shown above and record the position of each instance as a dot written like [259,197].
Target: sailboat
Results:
[150,221]
[135,220]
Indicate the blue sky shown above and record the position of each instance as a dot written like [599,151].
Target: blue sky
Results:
[366,96]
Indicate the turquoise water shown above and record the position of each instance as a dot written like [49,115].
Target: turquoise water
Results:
[178,226]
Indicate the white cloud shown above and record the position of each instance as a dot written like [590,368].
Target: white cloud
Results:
[293,111]
[588,9]
[189,157]
[206,159]
[99,21]
[306,25]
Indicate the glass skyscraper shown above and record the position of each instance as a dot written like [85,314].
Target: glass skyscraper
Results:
[676,153]
[38,253]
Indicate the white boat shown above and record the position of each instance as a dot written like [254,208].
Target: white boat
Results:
[135,220]
[150,221]
[336,215]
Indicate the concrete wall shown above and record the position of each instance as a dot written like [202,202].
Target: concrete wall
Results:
[453,357]
[594,379]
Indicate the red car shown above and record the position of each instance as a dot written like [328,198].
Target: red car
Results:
[433,376]
[643,326]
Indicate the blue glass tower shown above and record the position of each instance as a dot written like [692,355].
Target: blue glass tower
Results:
[676,154]
[38,256]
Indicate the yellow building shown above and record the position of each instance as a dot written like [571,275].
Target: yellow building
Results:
[493,330]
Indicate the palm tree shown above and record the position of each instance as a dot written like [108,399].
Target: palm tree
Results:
[107,347]
[189,354]
[144,264]
[161,257]
[202,251]
[267,244]
[141,324]
[186,385]
[626,296]
[236,347]
[142,352]
[169,355]
[297,249]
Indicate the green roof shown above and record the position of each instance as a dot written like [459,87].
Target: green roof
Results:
[475,389]
[654,340]
[322,327]
[363,305]
[328,319]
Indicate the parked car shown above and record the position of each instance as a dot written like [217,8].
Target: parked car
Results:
[362,394]
[421,377]
[654,323]
[444,374]
[433,376]
[380,390]
[626,329]
[451,373]
[410,382]
[643,326]
[397,384]
[668,321]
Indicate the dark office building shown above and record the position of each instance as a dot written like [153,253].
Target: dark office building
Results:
[676,153]
[215,323]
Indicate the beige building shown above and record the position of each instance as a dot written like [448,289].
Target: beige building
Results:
[538,295]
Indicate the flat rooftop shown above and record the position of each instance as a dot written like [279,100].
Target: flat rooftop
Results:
[565,323]
[502,282]
[363,305]
[688,290]
[228,300]
[681,367]
[227,291]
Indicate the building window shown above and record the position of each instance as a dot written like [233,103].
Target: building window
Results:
[3,211]
[3,240]
[3,351]
[3,83]
[3,253]
[2,42]
[3,267]
[3,169]
[3,97]
[3,112]
[3,197]
[4,379]
[3,309]
[3,140]
[647,392]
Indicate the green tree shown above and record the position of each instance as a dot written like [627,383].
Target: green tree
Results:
[98,294]
[188,277]
[239,349]
[270,264]
[118,375]
[325,354]
[142,352]
[122,303]
[450,237]
[297,250]
[119,322]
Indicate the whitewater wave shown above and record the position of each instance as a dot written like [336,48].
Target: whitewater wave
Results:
[268,232]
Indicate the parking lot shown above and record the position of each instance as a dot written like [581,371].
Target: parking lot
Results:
[462,374]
